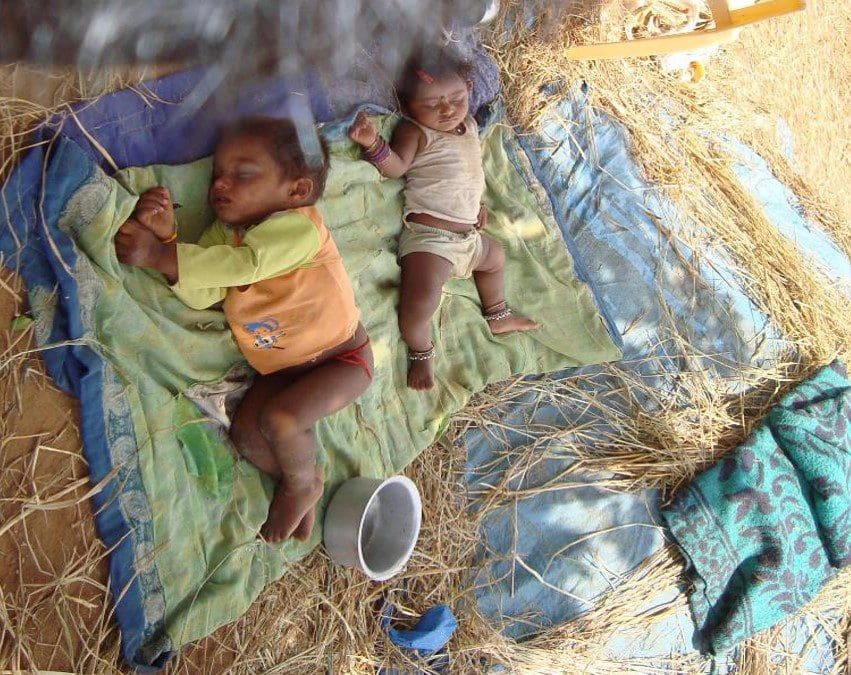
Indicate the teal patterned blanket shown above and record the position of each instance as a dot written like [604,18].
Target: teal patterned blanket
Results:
[767,526]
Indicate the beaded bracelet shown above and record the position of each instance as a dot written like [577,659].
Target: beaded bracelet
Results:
[380,155]
[421,356]
[499,316]
[497,312]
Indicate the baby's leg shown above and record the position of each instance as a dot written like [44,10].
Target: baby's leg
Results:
[423,276]
[274,430]
[490,283]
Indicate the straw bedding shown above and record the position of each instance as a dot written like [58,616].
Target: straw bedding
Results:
[54,607]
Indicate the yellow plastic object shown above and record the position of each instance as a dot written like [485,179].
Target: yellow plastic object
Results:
[697,71]
[728,22]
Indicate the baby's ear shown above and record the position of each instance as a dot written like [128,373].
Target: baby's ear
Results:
[302,188]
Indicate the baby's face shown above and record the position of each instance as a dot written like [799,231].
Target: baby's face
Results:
[248,184]
[441,105]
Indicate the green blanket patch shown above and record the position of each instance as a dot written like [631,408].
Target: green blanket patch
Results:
[206,505]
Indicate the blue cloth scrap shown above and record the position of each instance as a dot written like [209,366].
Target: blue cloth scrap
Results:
[769,525]
[429,634]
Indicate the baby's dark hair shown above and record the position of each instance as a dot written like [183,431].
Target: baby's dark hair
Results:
[433,62]
[282,139]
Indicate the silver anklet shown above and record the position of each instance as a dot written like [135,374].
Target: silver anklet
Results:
[421,356]
[498,316]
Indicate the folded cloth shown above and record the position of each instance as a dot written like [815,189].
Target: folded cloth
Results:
[431,633]
[767,526]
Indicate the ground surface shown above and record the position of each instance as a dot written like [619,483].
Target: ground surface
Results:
[54,612]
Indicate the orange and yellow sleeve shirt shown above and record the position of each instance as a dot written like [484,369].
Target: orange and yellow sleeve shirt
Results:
[286,294]
[218,261]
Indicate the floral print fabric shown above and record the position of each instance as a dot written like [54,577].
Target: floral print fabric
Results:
[767,526]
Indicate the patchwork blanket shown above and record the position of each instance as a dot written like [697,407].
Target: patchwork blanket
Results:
[180,512]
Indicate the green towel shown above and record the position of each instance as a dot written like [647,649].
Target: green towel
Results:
[767,526]
[206,508]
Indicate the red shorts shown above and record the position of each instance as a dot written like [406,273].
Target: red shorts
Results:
[355,357]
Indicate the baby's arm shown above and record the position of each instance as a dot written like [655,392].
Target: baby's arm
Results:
[482,222]
[201,298]
[137,246]
[274,247]
[201,273]
[403,146]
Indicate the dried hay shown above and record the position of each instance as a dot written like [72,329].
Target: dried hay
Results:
[55,611]
[54,600]
[677,145]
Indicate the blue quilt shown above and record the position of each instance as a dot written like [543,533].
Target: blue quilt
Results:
[122,129]
[180,576]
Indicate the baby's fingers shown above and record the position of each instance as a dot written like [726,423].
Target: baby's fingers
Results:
[147,214]
[159,192]
[362,129]
[128,227]
[146,209]
[153,201]
[357,125]
[164,197]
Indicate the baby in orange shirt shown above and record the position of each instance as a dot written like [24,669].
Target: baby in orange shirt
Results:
[286,296]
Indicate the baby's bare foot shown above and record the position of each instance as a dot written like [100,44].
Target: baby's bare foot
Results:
[291,512]
[421,375]
[511,324]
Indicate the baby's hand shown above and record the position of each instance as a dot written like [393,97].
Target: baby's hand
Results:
[363,130]
[137,245]
[483,218]
[154,211]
